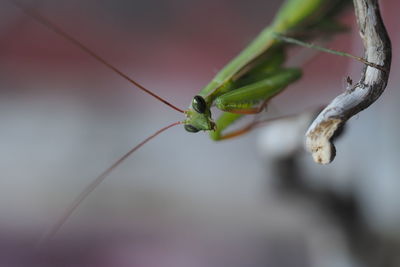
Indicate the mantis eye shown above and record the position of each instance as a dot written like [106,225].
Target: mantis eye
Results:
[199,104]
[191,128]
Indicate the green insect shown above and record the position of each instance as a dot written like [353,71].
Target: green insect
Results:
[244,86]
[250,80]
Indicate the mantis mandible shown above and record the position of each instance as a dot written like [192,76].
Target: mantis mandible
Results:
[244,86]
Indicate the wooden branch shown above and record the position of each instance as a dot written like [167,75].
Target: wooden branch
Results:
[320,135]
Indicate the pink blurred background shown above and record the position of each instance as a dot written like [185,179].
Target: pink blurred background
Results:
[182,200]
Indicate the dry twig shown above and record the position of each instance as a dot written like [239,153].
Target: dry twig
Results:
[358,97]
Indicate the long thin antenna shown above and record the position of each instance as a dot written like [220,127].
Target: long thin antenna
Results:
[93,185]
[49,24]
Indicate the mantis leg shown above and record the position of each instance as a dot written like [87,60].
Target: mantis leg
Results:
[327,50]
[224,121]
[242,101]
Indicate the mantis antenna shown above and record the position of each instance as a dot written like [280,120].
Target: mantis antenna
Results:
[93,185]
[47,23]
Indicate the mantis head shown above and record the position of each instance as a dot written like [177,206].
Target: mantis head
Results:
[198,116]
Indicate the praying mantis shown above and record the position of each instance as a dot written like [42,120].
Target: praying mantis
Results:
[243,87]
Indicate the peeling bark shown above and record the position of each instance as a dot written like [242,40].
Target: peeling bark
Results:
[320,135]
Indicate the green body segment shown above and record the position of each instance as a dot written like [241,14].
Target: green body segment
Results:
[292,14]
[257,73]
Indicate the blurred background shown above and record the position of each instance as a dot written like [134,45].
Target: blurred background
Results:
[183,200]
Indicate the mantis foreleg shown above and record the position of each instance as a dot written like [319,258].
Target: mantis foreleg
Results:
[244,99]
